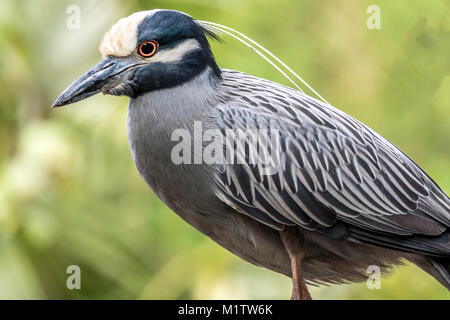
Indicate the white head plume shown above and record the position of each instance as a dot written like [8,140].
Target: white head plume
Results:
[221,29]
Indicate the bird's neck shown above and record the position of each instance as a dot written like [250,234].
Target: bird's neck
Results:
[153,119]
[169,109]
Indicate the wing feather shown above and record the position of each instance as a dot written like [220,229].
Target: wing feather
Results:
[333,168]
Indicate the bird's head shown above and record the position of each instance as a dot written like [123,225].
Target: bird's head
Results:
[146,51]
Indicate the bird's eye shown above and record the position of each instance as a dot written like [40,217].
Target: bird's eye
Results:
[148,48]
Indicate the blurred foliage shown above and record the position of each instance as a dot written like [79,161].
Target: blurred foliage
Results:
[69,192]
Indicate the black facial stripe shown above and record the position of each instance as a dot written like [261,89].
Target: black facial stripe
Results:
[159,75]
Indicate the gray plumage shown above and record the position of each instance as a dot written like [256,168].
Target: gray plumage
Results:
[356,199]
[380,196]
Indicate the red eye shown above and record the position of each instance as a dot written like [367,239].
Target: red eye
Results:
[148,48]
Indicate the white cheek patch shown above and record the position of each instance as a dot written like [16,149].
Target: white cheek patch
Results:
[121,39]
[176,54]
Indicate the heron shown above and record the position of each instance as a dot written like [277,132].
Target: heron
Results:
[335,196]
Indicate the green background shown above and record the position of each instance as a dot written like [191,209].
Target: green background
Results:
[69,191]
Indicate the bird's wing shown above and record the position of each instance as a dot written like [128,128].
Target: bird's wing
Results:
[335,175]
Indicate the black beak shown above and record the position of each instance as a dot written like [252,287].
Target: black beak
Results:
[101,77]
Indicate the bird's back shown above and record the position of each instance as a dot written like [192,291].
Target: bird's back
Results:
[335,153]
[338,177]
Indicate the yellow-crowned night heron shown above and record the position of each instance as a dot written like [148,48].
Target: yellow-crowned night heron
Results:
[344,198]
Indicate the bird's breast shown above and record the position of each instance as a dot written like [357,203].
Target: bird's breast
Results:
[156,124]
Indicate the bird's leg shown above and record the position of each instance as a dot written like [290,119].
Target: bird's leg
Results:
[293,241]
